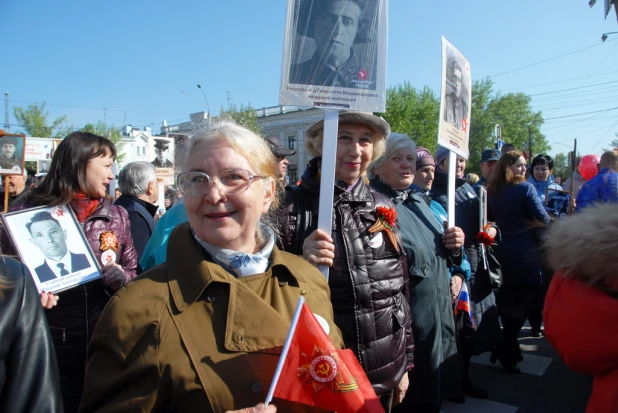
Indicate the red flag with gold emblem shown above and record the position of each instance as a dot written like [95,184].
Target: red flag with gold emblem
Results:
[317,374]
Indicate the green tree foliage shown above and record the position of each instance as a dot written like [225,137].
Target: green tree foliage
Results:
[512,112]
[245,116]
[414,113]
[111,133]
[34,122]
[562,167]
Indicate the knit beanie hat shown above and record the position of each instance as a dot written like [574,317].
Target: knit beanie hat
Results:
[441,154]
[424,158]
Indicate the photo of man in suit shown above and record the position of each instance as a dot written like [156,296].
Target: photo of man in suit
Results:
[47,234]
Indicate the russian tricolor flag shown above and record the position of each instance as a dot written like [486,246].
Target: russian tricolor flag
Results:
[463,302]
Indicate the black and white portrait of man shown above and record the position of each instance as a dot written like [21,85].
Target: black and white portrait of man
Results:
[456,95]
[11,150]
[343,41]
[161,148]
[50,238]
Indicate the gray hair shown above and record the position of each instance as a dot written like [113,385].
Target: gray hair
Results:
[247,144]
[134,178]
[395,142]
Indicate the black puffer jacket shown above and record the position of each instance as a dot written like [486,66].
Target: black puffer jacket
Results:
[369,285]
[29,379]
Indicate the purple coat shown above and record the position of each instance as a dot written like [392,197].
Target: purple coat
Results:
[73,320]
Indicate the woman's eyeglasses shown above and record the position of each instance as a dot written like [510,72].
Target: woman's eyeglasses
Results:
[230,181]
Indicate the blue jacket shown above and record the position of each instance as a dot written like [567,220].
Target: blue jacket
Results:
[156,249]
[541,186]
[602,188]
[515,210]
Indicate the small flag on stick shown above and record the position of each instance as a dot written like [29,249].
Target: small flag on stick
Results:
[313,372]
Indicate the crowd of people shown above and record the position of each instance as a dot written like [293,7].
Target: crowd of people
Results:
[193,307]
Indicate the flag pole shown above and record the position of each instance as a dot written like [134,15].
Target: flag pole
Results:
[284,352]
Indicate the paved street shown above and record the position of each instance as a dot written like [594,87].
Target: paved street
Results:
[545,385]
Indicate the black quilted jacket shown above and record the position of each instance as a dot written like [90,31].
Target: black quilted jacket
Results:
[368,280]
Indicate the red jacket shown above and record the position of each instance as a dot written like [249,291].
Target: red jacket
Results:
[580,322]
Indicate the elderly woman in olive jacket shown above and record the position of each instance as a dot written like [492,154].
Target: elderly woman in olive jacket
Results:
[203,332]
[367,279]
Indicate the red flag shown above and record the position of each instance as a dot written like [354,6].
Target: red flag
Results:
[317,374]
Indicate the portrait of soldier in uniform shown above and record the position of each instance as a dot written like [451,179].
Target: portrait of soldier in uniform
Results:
[335,27]
[8,153]
[162,151]
[455,103]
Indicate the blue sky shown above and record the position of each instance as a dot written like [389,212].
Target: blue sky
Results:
[134,57]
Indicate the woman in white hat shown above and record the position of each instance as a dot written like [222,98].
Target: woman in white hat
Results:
[368,285]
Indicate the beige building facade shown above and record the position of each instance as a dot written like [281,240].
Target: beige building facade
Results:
[289,124]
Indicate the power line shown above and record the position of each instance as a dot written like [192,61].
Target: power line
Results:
[575,88]
[561,81]
[594,92]
[581,114]
[99,109]
[577,103]
[601,138]
[593,72]
[548,60]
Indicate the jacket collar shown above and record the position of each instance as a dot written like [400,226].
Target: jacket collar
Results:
[191,270]
[103,211]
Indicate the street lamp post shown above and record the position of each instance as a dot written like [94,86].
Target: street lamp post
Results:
[604,37]
[206,100]
[199,100]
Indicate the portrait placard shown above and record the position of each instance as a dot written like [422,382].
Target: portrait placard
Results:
[558,203]
[12,153]
[42,166]
[53,247]
[334,54]
[161,151]
[455,104]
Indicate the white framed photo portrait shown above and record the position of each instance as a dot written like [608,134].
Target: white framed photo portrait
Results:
[335,54]
[51,244]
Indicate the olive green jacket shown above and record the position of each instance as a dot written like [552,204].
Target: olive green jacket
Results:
[187,336]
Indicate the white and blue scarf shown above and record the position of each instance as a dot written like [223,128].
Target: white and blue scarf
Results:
[241,264]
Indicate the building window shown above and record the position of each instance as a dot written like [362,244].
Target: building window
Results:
[292,142]
[293,174]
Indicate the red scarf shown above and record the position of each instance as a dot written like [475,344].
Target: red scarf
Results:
[83,205]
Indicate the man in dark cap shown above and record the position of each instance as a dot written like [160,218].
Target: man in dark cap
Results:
[161,147]
[281,153]
[335,26]
[8,159]
[489,158]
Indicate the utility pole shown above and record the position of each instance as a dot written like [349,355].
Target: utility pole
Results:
[530,143]
[7,125]
[229,97]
